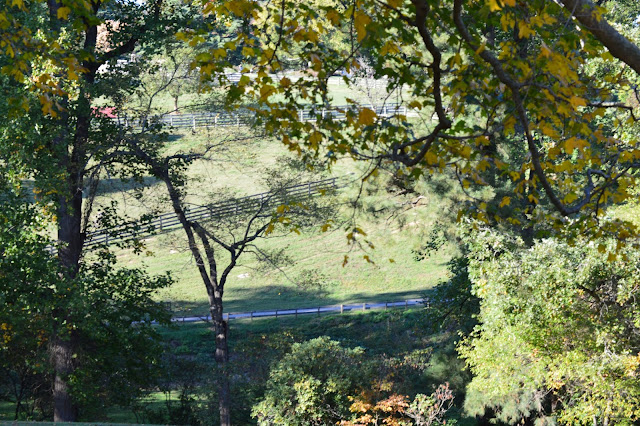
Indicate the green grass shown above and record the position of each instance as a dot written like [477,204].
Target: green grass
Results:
[395,275]
[393,225]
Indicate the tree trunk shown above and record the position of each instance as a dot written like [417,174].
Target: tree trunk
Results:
[71,241]
[222,358]
[61,350]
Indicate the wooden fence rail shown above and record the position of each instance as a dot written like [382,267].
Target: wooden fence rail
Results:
[251,203]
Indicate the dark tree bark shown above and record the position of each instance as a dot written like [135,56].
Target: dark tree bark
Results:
[62,351]
[71,146]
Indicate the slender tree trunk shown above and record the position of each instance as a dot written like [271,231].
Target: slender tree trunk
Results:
[214,288]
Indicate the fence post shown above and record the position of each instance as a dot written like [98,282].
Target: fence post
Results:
[301,115]
[406,304]
[251,315]
[296,312]
[341,309]
[309,185]
[215,121]
[161,223]
[386,305]
[237,120]
[364,307]
[171,120]
[318,310]
[276,313]
[193,121]
[323,113]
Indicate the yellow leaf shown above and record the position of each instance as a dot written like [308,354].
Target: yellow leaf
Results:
[312,36]
[266,91]
[571,144]
[524,31]
[269,229]
[505,201]
[285,82]
[493,5]
[510,3]
[246,51]
[548,130]
[63,12]
[389,47]
[244,80]
[570,197]
[509,124]
[219,53]
[361,20]
[577,101]
[367,116]
[315,139]
[506,21]
[466,152]
[333,17]
[431,158]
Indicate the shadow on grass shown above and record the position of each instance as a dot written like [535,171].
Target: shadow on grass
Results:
[286,297]
[115,185]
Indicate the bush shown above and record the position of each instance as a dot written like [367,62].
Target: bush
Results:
[311,385]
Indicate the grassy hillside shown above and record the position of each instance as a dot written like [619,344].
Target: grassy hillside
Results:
[396,223]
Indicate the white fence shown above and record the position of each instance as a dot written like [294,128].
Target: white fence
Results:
[247,118]
[280,313]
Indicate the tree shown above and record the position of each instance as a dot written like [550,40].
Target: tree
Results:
[231,231]
[537,103]
[118,349]
[57,70]
[557,338]
[311,385]
[27,271]
[487,79]
[397,410]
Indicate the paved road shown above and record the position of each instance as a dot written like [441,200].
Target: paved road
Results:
[307,311]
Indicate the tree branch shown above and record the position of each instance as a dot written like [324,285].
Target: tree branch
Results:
[617,44]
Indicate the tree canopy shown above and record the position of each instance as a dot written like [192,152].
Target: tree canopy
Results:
[540,95]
